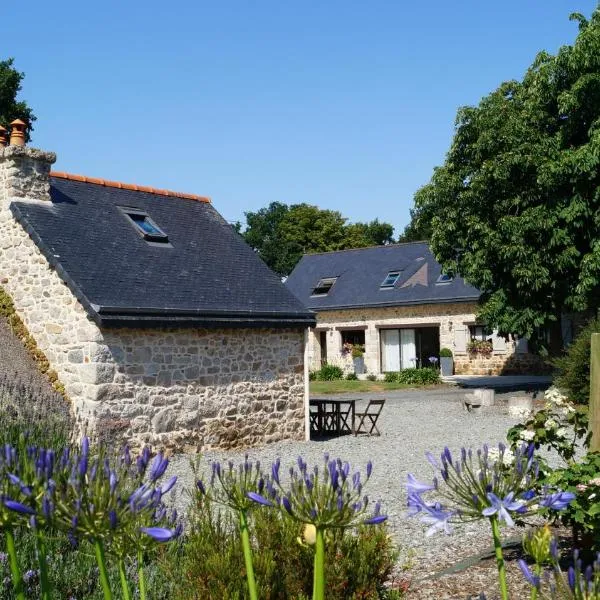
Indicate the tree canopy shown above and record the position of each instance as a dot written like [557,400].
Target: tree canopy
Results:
[281,234]
[10,107]
[515,208]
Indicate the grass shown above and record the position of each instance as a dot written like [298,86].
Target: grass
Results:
[341,385]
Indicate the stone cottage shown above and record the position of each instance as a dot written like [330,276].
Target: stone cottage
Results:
[396,302]
[160,322]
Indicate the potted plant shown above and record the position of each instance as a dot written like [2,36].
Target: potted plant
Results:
[446,362]
[358,353]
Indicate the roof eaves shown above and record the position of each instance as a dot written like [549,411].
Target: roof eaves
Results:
[395,303]
[209,322]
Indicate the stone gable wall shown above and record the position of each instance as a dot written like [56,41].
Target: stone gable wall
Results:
[182,389]
[445,316]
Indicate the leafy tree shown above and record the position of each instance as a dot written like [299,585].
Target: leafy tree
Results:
[419,228]
[515,208]
[281,234]
[10,108]
[374,233]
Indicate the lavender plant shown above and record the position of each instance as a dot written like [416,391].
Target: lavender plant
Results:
[326,498]
[492,484]
[233,487]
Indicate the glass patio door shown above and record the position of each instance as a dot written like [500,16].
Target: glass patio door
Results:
[390,350]
[409,348]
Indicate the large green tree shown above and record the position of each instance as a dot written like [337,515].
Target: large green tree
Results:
[10,107]
[515,208]
[281,234]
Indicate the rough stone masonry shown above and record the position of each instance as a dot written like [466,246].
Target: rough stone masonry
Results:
[183,389]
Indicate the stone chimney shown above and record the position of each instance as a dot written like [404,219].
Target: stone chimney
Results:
[24,171]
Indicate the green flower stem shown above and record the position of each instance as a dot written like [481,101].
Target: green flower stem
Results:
[319,568]
[141,577]
[41,552]
[123,578]
[14,565]
[538,572]
[499,557]
[248,556]
[101,560]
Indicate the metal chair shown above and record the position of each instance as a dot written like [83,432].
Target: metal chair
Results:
[369,417]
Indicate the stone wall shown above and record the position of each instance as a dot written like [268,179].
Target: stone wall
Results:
[445,316]
[182,389]
[198,388]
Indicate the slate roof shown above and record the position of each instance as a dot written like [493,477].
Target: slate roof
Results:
[206,276]
[361,272]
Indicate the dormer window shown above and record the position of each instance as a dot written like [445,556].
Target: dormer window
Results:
[443,278]
[391,279]
[322,288]
[145,226]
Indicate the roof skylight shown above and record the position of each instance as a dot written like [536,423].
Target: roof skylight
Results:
[391,279]
[322,288]
[443,278]
[145,226]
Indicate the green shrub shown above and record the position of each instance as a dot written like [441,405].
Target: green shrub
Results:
[574,367]
[445,353]
[372,377]
[312,375]
[352,377]
[423,376]
[583,513]
[211,563]
[330,373]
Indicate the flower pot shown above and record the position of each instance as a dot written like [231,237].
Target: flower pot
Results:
[447,365]
[359,365]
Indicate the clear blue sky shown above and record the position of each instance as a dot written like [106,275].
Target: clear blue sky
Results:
[347,105]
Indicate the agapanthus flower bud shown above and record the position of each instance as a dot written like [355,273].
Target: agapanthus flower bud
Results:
[158,467]
[258,498]
[160,534]
[168,485]
[18,507]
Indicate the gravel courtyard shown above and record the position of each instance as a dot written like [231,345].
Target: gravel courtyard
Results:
[412,422]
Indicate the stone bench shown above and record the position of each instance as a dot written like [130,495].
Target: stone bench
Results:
[478,398]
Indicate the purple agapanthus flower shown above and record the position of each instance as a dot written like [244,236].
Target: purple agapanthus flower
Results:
[437,519]
[558,500]
[413,486]
[501,507]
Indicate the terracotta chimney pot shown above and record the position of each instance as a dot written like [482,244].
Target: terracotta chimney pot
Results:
[3,139]
[17,133]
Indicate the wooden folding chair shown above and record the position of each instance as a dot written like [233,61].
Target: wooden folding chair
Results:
[369,417]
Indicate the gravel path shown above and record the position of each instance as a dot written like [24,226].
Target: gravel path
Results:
[412,422]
